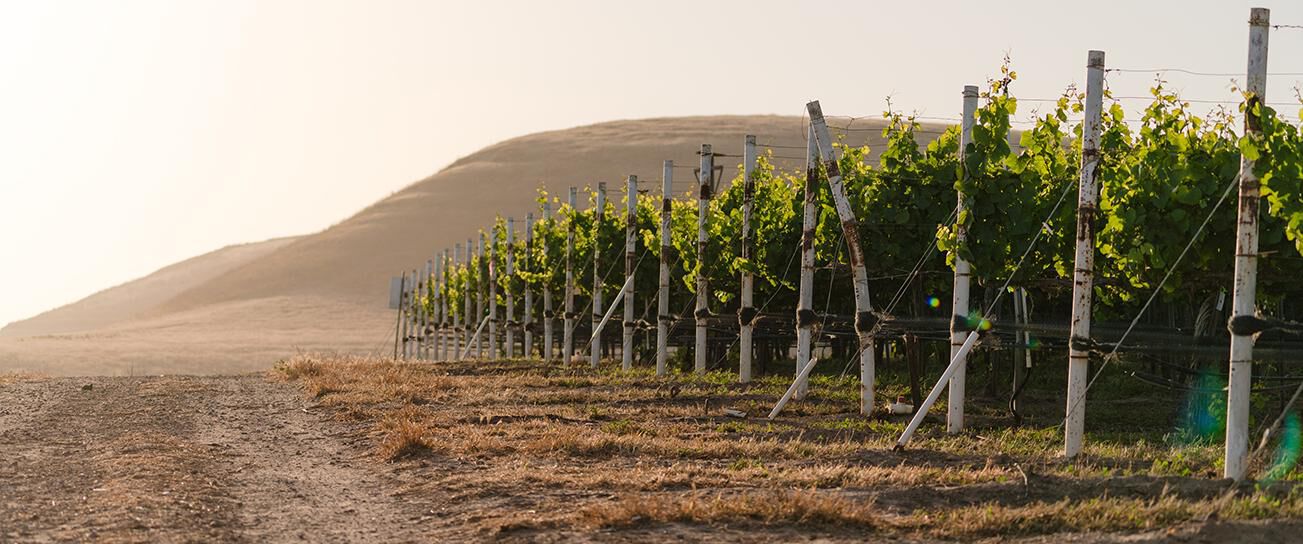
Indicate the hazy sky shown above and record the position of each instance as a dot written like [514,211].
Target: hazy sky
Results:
[135,133]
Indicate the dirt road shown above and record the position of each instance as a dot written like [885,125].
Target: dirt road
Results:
[195,459]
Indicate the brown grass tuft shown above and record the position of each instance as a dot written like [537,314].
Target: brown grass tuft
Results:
[802,508]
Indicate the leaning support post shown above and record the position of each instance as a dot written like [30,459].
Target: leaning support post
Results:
[405,308]
[805,317]
[1245,289]
[568,323]
[801,377]
[398,324]
[746,314]
[527,321]
[865,319]
[507,291]
[548,317]
[921,411]
[630,249]
[663,318]
[1083,273]
[959,322]
[703,302]
[595,350]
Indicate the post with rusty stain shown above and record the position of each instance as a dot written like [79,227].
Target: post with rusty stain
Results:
[527,321]
[548,316]
[960,324]
[805,316]
[458,327]
[1083,273]
[507,290]
[1245,289]
[471,319]
[746,314]
[599,216]
[703,286]
[865,318]
[568,323]
[630,250]
[494,345]
[663,318]
[417,334]
[481,275]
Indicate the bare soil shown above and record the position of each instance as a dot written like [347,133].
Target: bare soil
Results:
[188,459]
[376,452]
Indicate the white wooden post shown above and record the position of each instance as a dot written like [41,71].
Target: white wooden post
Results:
[1245,289]
[405,309]
[414,351]
[471,319]
[630,250]
[805,317]
[548,316]
[456,319]
[437,309]
[703,286]
[568,323]
[1083,273]
[495,347]
[445,323]
[507,291]
[746,313]
[865,319]
[595,351]
[422,326]
[663,295]
[959,324]
[481,273]
[527,320]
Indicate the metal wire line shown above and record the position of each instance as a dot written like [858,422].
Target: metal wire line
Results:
[1192,72]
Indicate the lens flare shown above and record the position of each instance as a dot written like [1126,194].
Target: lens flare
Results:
[1289,449]
[1033,342]
[933,302]
[1205,410]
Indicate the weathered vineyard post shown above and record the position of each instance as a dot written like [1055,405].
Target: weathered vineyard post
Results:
[472,320]
[435,309]
[398,324]
[456,319]
[495,347]
[703,210]
[405,309]
[663,296]
[481,272]
[805,299]
[1083,273]
[959,323]
[508,292]
[446,317]
[548,316]
[865,319]
[746,314]
[568,324]
[595,348]
[630,248]
[1245,289]
[528,320]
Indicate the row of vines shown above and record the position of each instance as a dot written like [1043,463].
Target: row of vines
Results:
[1160,176]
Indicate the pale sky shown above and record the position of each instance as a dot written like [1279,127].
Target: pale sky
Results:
[134,134]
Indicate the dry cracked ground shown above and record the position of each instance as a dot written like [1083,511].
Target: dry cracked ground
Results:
[355,450]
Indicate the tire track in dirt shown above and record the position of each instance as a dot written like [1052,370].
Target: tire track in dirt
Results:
[186,459]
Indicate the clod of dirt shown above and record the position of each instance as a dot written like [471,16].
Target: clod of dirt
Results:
[88,387]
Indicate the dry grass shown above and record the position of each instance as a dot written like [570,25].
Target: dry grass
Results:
[527,447]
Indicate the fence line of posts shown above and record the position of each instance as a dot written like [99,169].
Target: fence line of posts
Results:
[436,331]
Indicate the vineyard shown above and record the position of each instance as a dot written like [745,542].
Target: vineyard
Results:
[761,271]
